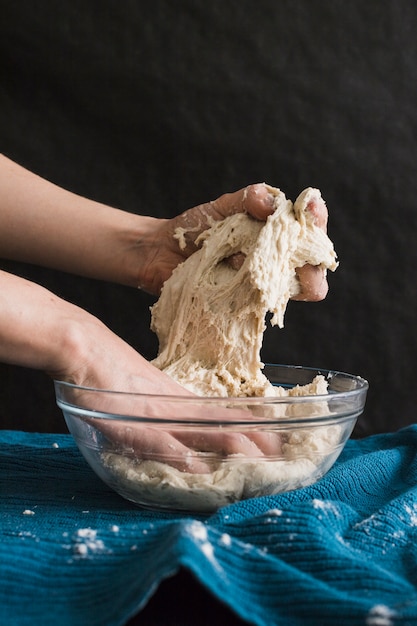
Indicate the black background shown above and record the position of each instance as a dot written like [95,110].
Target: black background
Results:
[157,106]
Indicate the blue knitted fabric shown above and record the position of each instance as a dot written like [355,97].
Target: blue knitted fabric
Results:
[343,551]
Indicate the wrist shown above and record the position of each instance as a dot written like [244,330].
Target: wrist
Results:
[36,326]
[143,268]
[74,347]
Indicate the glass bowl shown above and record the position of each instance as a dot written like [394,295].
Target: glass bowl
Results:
[196,454]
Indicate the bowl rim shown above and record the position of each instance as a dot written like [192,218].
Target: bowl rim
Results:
[361,387]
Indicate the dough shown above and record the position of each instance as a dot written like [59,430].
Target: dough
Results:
[306,457]
[210,320]
[210,317]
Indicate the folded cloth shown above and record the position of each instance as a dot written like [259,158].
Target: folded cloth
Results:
[343,551]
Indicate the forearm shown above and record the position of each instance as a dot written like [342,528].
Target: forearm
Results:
[41,331]
[44,224]
[35,325]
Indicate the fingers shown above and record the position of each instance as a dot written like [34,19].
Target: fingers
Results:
[188,448]
[250,445]
[312,279]
[269,443]
[147,443]
[318,209]
[187,451]
[313,284]
[192,451]
[256,200]
[220,443]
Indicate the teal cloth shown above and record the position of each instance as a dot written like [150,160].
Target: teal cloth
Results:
[343,551]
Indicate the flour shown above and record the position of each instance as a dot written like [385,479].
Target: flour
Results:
[210,320]
[380,615]
[85,542]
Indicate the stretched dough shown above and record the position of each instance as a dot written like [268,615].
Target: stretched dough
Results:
[210,317]
[210,320]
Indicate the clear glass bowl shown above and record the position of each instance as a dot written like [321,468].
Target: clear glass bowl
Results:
[195,454]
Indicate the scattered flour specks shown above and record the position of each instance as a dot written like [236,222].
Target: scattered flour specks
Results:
[199,532]
[208,550]
[115,528]
[55,445]
[24,534]
[380,615]
[326,505]
[28,512]
[341,539]
[225,539]
[372,520]
[276,512]
[412,512]
[86,542]
[398,534]
[272,515]
[80,549]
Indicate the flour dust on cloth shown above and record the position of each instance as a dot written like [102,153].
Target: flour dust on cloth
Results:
[342,551]
[210,317]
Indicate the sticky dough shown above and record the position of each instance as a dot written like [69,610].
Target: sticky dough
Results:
[210,317]
[210,320]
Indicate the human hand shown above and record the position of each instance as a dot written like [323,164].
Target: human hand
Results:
[102,365]
[52,227]
[167,251]
[312,279]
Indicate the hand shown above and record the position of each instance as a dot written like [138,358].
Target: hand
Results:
[313,283]
[165,253]
[96,358]
[47,225]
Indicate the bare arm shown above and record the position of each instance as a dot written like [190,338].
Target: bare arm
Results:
[39,330]
[44,224]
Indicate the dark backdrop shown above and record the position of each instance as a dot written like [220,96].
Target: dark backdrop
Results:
[157,106]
